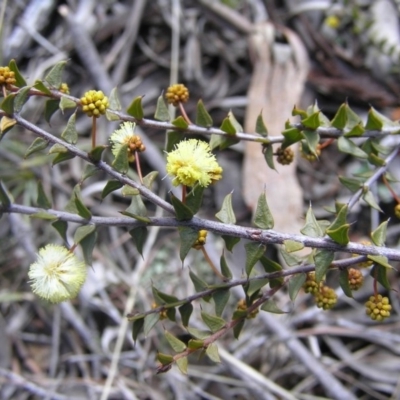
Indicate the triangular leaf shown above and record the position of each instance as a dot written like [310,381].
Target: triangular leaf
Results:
[87,244]
[295,284]
[186,311]
[61,157]
[203,118]
[263,218]
[188,237]
[238,328]
[21,98]
[344,282]
[323,259]
[7,104]
[338,230]
[340,119]
[214,323]
[182,364]
[254,252]
[37,145]
[198,283]
[177,345]
[379,273]
[50,107]
[269,267]
[369,198]
[183,212]
[230,242]
[378,236]
[212,353]
[66,103]
[311,228]
[137,327]
[162,298]
[20,81]
[173,138]
[271,307]
[268,152]
[61,227]
[135,109]
[195,198]
[110,187]
[6,124]
[225,271]
[42,200]
[83,211]
[96,153]
[54,77]
[121,161]
[150,321]
[180,122]
[69,134]
[161,113]
[381,260]
[292,246]
[226,214]
[39,85]
[347,146]
[261,128]
[83,231]
[139,236]
[220,298]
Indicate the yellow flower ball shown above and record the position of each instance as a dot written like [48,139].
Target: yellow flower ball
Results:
[57,275]
[193,163]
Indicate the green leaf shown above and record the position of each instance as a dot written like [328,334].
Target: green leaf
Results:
[182,364]
[21,98]
[162,298]
[263,218]
[6,124]
[230,125]
[50,107]
[230,241]
[150,321]
[379,273]
[173,138]
[7,104]
[57,149]
[20,81]
[376,160]
[42,200]
[347,146]
[311,228]
[195,198]
[312,121]
[220,298]
[356,131]
[183,212]
[381,260]
[96,153]
[61,227]
[225,271]
[254,286]
[39,85]
[180,122]
[290,259]
[214,323]
[66,103]
[188,237]
[269,267]
[121,162]
[222,142]
[254,252]
[177,345]
[37,145]
[298,112]
[82,232]
[87,244]
[323,259]
[161,113]
[226,214]
[195,344]
[340,119]
[149,179]
[89,171]
[312,140]
[238,328]
[295,284]
[344,282]
[44,215]
[115,104]
[135,109]
[62,157]
[212,353]
[164,359]
[271,307]
[292,246]
[369,198]
[110,187]
[69,134]
[378,236]
[137,327]
[203,118]
[137,207]
[291,136]
[186,311]
[139,236]
[338,230]
[374,121]
[129,191]
[83,211]
[261,128]
[54,77]
[198,283]
[350,183]
[268,152]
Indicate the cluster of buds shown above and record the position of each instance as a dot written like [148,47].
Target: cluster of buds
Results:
[356,279]
[378,307]
[64,88]
[176,94]
[325,297]
[284,156]
[94,103]
[7,77]
[307,154]
[201,239]
[242,306]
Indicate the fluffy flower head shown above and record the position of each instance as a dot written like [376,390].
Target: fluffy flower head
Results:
[126,135]
[193,163]
[57,275]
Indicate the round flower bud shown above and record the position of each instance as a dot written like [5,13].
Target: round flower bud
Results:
[326,298]
[7,77]
[201,239]
[64,88]
[94,103]
[57,275]
[356,279]
[378,308]
[284,156]
[311,285]
[397,211]
[176,94]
